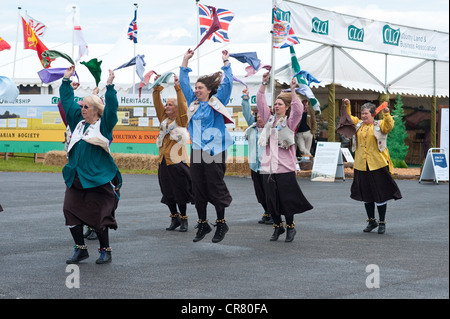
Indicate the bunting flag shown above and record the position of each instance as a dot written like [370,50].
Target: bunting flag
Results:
[282,33]
[132,29]
[78,38]
[93,66]
[54,74]
[147,77]
[248,57]
[138,60]
[37,26]
[251,71]
[307,76]
[4,45]
[207,16]
[32,42]
[381,107]
[52,55]
[8,89]
[303,88]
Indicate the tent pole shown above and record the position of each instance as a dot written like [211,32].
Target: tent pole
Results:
[332,100]
[433,110]
[272,62]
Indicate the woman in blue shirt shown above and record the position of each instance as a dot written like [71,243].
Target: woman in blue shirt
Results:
[210,140]
[91,176]
[255,151]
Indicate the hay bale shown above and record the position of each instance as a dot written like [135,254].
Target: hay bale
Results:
[55,158]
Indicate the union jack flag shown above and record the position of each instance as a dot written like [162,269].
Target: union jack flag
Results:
[132,29]
[283,34]
[206,19]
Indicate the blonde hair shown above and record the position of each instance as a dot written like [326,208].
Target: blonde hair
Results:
[96,102]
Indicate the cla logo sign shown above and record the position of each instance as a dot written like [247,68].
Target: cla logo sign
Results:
[319,26]
[355,34]
[391,36]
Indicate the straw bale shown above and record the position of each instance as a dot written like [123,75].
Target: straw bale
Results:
[55,158]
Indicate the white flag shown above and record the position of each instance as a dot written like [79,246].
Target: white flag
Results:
[79,38]
[37,26]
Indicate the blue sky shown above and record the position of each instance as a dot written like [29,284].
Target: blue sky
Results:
[175,21]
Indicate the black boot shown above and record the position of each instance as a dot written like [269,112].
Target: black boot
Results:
[263,218]
[290,234]
[175,222]
[381,227]
[371,225]
[203,228]
[105,255]
[80,253]
[184,224]
[221,230]
[278,230]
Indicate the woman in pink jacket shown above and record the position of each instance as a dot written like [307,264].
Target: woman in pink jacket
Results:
[279,163]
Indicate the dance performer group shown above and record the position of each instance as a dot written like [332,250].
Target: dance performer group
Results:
[93,180]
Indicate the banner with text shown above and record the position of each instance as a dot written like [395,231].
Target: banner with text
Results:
[347,31]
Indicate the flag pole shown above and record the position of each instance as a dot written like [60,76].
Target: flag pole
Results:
[198,38]
[74,9]
[272,62]
[134,54]
[17,38]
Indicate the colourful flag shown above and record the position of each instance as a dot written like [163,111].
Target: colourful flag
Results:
[303,88]
[4,45]
[37,26]
[282,33]
[248,57]
[206,17]
[52,55]
[94,67]
[138,60]
[32,42]
[132,29]
[51,75]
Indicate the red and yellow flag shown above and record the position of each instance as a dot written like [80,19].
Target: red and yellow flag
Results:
[32,42]
[4,45]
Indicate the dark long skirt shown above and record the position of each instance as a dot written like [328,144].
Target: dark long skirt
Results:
[94,207]
[257,179]
[283,195]
[374,186]
[207,173]
[175,183]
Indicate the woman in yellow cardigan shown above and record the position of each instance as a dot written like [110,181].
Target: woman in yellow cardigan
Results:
[173,171]
[373,183]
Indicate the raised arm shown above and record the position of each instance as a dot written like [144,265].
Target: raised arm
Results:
[185,83]
[261,102]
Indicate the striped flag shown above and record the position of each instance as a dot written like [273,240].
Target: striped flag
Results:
[132,29]
[206,16]
[303,84]
[37,26]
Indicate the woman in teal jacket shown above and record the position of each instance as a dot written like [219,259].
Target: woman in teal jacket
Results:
[91,175]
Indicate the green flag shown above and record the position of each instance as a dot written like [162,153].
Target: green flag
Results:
[94,67]
[53,54]
[303,83]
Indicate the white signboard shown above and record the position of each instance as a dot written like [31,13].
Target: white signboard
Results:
[436,166]
[328,163]
[347,31]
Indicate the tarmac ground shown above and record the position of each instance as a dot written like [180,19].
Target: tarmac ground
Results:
[330,258]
